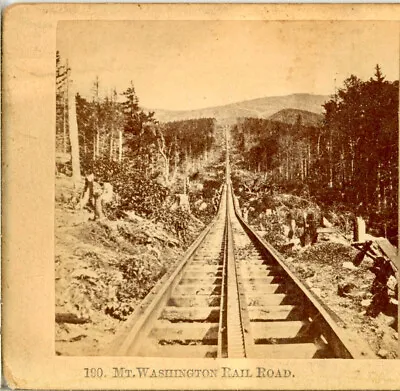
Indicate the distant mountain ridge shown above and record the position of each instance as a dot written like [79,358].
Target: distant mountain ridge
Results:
[290,116]
[257,108]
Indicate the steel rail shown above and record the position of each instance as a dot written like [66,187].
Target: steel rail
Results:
[129,339]
[322,318]
[223,321]
[236,343]
[234,338]
[244,316]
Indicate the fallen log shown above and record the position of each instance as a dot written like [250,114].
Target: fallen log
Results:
[70,318]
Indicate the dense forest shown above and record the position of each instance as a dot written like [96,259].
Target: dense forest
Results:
[349,160]
[113,138]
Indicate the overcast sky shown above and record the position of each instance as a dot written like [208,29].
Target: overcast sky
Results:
[196,64]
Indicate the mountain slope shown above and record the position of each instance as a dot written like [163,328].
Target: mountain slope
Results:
[290,116]
[258,108]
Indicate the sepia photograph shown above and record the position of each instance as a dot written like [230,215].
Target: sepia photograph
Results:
[226,189]
[200,196]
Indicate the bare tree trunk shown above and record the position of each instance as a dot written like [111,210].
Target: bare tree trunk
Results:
[84,145]
[73,135]
[111,145]
[175,170]
[94,147]
[96,135]
[120,146]
[330,160]
[97,144]
[318,143]
[352,166]
[166,170]
[166,166]
[287,165]
[65,118]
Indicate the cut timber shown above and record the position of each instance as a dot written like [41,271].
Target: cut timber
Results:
[250,273]
[204,269]
[388,249]
[262,280]
[277,330]
[70,318]
[205,332]
[194,300]
[272,299]
[183,289]
[262,268]
[201,281]
[275,312]
[183,351]
[199,314]
[271,288]
[289,351]
[199,275]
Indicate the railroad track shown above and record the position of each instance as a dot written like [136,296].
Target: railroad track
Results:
[232,296]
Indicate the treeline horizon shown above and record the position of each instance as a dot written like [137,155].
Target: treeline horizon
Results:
[114,127]
[351,159]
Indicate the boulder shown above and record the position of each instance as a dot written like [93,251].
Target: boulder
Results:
[383,353]
[349,265]
[203,206]
[392,282]
[344,288]
[366,303]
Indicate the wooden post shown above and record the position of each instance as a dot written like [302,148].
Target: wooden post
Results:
[359,230]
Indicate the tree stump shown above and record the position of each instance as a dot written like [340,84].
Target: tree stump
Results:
[309,234]
[181,202]
[359,229]
[103,194]
[87,195]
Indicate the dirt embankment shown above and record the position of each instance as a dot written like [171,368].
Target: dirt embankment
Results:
[102,271]
[324,268]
